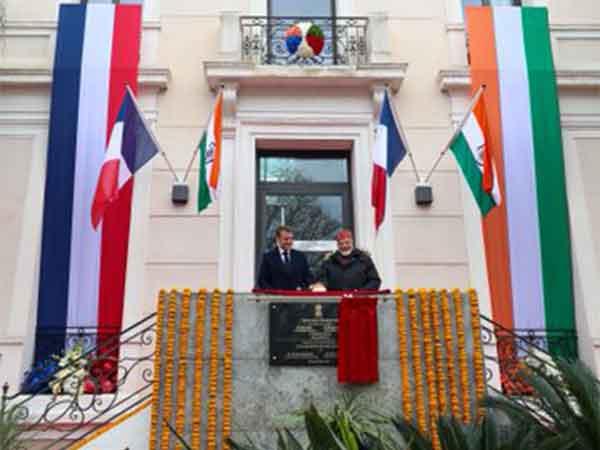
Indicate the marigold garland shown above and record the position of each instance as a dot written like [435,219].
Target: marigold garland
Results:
[477,351]
[168,361]
[199,360]
[429,368]
[160,312]
[416,354]
[227,369]
[463,364]
[407,409]
[439,356]
[211,426]
[181,378]
[450,353]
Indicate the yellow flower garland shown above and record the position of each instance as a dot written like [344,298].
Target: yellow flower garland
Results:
[416,354]
[197,394]
[463,364]
[429,368]
[181,379]
[160,311]
[439,356]
[211,426]
[450,353]
[477,351]
[227,369]
[407,408]
[168,360]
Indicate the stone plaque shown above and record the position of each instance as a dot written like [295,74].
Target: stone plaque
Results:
[303,334]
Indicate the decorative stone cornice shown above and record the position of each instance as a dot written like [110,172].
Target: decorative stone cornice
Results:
[249,74]
[149,77]
[459,78]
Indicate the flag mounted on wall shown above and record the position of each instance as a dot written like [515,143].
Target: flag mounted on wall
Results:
[131,145]
[470,148]
[210,157]
[390,149]
[82,269]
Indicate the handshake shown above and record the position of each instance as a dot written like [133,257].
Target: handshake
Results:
[317,287]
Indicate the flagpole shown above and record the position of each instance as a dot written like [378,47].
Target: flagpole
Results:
[151,133]
[197,149]
[457,131]
[403,135]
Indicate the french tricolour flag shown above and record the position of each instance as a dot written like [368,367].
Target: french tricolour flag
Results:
[82,269]
[131,146]
[390,149]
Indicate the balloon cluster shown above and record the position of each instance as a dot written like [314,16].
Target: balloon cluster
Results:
[304,39]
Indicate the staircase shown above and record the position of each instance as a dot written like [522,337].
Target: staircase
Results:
[176,381]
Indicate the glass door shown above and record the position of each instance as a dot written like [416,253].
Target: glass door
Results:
[310,194]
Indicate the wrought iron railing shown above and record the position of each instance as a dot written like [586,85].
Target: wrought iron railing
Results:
[117,376]
[508,351]
[304,40]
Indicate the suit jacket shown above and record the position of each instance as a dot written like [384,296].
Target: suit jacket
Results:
[275,274]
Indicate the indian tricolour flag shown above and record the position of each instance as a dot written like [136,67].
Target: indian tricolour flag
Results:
[526,238]
[210,157]
[473,156]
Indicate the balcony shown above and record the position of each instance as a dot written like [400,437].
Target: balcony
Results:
[313,52]
[304,40]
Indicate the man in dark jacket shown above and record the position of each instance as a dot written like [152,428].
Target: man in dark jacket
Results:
[348,268]
[282,267]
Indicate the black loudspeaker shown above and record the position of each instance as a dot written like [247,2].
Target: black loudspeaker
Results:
[180,194]
[423,194]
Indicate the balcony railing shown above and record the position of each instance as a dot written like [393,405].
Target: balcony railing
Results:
[304,40]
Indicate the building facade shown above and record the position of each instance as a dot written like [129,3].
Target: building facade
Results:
[297,146]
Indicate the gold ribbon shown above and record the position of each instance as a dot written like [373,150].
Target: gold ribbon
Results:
[450,353]
[439,355]
[168,360]
[181,378]
[416,354]
[429,368]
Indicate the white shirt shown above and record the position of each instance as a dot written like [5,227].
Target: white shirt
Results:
[282,254]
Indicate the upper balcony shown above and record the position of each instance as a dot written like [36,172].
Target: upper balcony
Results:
[305,51]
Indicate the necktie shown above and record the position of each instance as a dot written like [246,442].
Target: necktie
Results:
[286,257]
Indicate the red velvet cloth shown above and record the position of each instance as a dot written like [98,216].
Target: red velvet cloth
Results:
[358,352]
[357,341]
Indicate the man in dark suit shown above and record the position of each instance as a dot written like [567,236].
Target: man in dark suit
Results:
[282,267]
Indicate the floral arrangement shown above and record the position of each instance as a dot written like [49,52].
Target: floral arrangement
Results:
[69,378]
[75,372]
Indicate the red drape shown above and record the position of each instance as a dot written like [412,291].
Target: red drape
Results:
[357,341]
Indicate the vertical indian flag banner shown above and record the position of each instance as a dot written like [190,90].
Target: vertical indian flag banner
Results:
[210,157]
[510,52]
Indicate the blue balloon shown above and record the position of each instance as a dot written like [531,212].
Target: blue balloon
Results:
[292,43]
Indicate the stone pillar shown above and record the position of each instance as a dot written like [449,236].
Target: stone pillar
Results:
[379,38]
[230,36]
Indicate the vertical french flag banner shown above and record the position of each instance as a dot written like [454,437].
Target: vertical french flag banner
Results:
[82,268]
[390,149]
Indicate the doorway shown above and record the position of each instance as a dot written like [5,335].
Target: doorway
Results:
[308,191]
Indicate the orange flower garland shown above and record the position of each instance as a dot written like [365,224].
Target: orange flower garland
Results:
[439,356]
[407,409]
[450,353]
[463,365]
[197,394]
[160,312]
[429,368]
[227,366]
[477,351]
[171,313]
[181,381]
[211,426]
[416,354]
